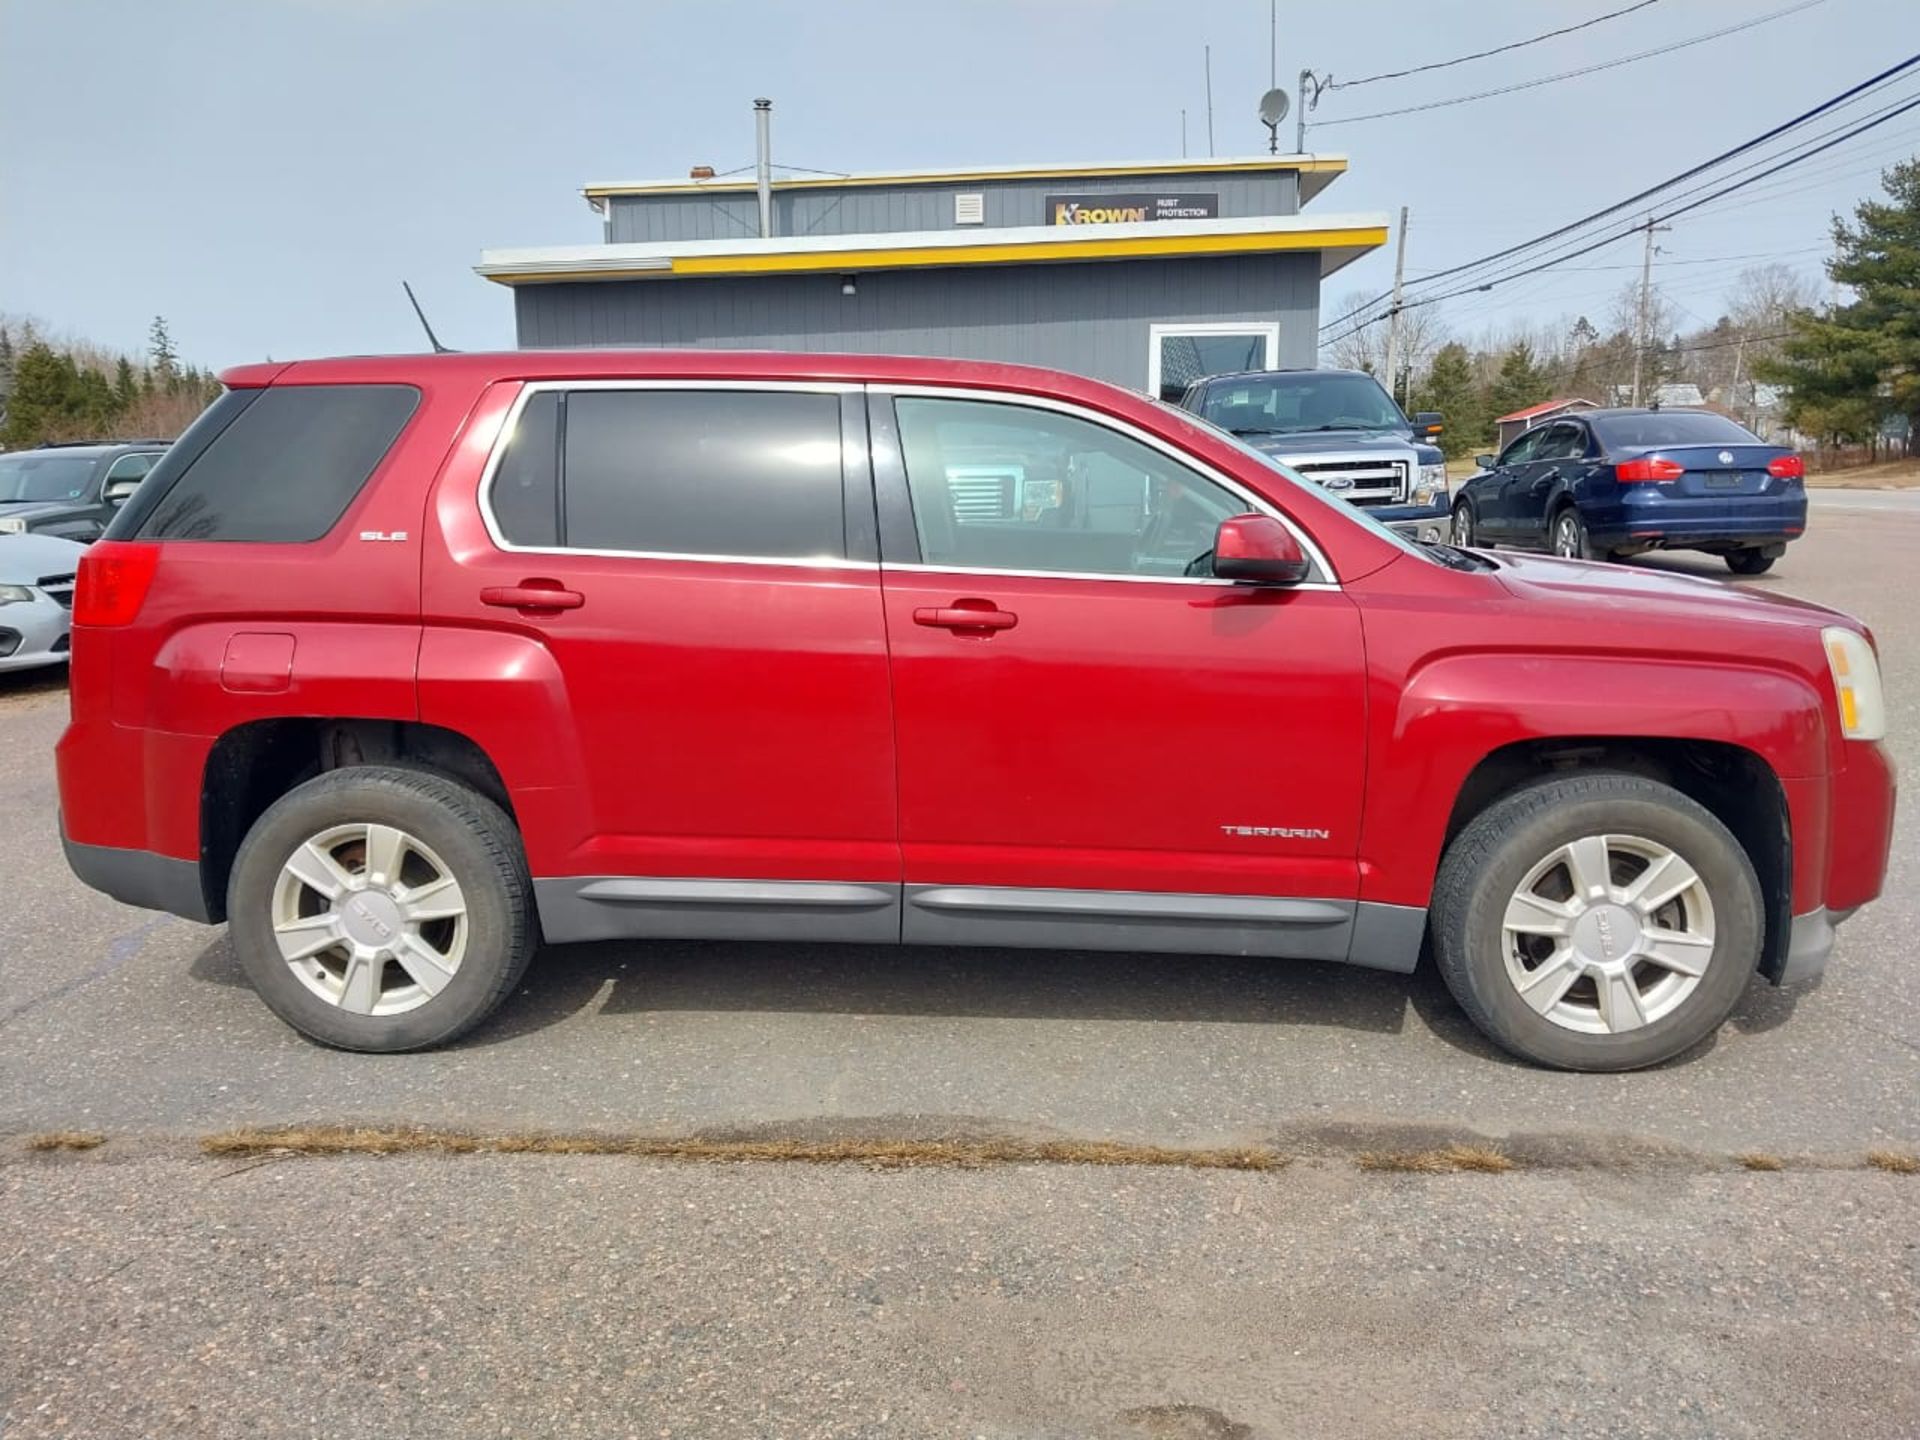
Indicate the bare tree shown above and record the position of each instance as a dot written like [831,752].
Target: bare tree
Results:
[1421,333]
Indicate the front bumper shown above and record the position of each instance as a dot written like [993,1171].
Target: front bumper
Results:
[1416,522]
[33,632]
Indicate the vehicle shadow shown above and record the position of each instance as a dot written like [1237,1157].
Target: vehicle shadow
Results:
[623,979]
[28,684]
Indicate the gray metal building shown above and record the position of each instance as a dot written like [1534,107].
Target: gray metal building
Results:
[1144,274]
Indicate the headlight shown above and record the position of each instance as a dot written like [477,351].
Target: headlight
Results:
[1856,684]
[1432,486]
[12,525]
[15,594]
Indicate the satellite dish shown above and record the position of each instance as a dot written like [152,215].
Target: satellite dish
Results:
[1273,108]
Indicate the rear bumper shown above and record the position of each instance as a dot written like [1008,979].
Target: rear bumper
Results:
[1654,520]
[140,877]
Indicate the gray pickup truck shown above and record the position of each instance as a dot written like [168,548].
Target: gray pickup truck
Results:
[1341,430]
[71,490]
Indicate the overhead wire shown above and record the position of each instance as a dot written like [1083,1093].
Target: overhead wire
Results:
[1595,69]
[1483,54]
[1845,97]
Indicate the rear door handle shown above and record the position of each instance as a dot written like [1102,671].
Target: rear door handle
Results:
[966,615]
[533,595]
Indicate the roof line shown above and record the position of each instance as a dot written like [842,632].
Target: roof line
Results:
[1033,244]
[1310,164]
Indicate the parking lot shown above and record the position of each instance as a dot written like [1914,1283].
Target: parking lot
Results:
[1029,1300]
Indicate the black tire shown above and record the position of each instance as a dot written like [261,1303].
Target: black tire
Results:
[1749,562]
[1575,545]
[1465,530]
[1491,858]
[479,845]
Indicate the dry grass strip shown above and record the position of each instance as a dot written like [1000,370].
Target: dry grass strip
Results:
[1899,1162]
[952,1154]
[66,1140]
[1760,1160]
[1446,1160]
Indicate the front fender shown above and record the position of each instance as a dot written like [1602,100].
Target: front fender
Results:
[1458,709]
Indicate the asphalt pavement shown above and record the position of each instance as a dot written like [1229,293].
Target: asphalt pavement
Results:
[1630,1279]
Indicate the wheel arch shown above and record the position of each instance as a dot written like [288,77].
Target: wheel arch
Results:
[253,764]
[1733,783]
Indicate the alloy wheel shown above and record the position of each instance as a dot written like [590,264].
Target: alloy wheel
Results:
[369,919]
[1608,933]
[1566,536]
[1463,527]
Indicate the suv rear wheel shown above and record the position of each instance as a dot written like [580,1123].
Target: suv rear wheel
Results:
[1597,922]
[382,909]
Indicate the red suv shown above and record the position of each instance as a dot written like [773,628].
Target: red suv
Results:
[400,666]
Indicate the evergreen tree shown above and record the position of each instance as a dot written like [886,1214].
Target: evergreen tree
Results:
[49,401]
[165,359]
[126,389]
[1848,371]
[1519,384]
[1449,388]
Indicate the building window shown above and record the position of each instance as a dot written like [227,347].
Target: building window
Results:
[1178,355]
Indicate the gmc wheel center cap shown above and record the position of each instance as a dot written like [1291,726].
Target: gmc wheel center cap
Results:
[1607,934]
[371,919]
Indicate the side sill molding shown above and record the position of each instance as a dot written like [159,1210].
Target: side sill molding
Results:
[622,908]
[1122,904]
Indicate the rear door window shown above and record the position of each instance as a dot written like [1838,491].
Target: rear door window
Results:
[733,473]
[286,466]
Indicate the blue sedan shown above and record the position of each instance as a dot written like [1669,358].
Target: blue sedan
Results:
[1606,484]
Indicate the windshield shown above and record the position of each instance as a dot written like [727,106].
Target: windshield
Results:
[44,477]
[1301,400]
[1670,427]
[1309,491]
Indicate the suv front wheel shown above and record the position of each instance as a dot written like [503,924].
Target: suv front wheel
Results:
[382,909]
[1597,922]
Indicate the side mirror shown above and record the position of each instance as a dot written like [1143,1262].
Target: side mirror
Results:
[1485,462]
[119,491]
[1427,425]
[1258,549]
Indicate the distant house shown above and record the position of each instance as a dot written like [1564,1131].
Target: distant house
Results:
[1671,396]
[1521,421]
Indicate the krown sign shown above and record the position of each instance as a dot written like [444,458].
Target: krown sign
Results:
[1129,209]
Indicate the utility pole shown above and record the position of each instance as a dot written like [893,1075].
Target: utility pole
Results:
[1393,315]
[1644,318]
[1183,133]
[1733,390]
[763,163]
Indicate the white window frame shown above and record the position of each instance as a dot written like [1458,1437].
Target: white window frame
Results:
[1269,329]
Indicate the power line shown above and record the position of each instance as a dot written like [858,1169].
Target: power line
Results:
[1574,74]
[1634,201]
[1483,54]
[1588,249]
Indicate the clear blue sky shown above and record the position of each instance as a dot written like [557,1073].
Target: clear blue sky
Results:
[265,172]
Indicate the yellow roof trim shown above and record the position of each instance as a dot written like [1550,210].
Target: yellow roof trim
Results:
[1308,165]
[1012,253]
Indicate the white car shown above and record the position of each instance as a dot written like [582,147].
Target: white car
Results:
[36,598]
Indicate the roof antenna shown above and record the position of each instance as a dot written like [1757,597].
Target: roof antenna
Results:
[432,339]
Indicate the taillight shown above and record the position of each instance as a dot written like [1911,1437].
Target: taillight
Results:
[113,582]
[1649,469]
[1787,467]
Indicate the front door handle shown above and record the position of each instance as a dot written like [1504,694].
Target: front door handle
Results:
[533,595]
[966,616]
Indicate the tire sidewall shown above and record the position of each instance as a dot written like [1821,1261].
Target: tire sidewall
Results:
[1473,956]
[424,806]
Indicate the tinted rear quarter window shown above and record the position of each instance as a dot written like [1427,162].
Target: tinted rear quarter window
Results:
[1670,427]
[285,467]
[704,472]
